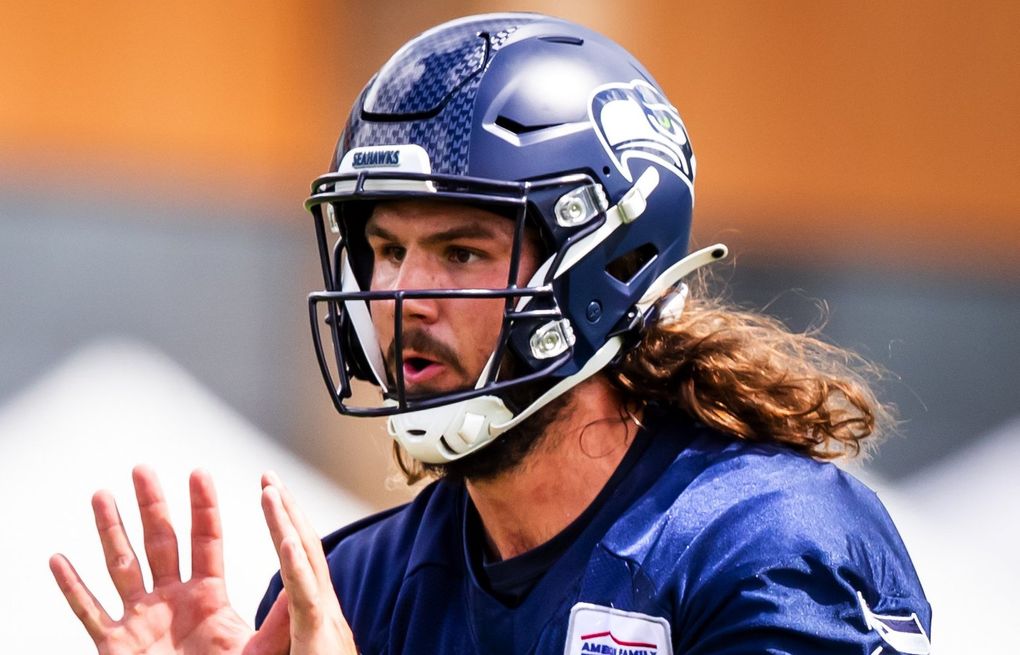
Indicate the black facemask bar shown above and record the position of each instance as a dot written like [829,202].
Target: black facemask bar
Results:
[507,195]
[340,390]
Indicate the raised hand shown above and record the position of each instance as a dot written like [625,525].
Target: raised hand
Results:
[177,616]
[317,626]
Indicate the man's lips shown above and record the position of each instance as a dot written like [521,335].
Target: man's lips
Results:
[418,369]
[425,364]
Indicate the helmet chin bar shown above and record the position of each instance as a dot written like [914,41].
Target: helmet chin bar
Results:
[445,433]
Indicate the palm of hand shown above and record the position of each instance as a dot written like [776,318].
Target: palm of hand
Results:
[182,617]
[174,617]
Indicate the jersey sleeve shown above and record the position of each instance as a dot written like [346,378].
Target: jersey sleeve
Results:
[811,563]
[807,605]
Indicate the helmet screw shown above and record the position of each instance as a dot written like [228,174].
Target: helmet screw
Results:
[574,210]
[549,342]
[594,311]
[552,339]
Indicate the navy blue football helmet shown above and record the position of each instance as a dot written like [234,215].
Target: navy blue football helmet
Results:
[553,126]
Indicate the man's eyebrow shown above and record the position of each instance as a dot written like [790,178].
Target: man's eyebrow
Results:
[373,230]
[474,230]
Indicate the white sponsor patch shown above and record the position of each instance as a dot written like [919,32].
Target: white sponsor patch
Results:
[904,634]
[599,630]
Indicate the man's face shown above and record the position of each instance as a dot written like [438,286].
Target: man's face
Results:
[420,244]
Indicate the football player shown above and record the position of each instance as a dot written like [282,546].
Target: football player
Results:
[621,464]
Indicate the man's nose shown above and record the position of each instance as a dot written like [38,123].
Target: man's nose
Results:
[417,271]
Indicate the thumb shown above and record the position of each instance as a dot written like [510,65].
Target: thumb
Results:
[273,638]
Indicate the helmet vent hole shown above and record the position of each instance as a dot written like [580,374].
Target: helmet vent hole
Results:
[627,266]
[510,125]
[606,170]
[565,40]
[416,433]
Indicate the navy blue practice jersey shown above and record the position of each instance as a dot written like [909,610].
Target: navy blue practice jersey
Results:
[708,545]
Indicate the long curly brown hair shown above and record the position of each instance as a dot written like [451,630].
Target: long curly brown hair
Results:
[746,374]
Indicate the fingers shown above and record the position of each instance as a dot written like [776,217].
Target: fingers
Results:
[273,636]
[280,525]
[305,602]
[82,602]
[206,530]
[121,561]
[306,533]
[299,579]
[158,533]
[316,621]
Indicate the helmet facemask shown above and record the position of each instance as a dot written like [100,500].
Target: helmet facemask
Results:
[531,343]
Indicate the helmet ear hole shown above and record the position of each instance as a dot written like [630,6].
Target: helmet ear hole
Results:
[628,265]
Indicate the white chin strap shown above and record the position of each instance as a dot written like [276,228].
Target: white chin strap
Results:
[446,433]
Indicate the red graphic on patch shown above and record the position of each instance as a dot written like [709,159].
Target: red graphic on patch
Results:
[633,644]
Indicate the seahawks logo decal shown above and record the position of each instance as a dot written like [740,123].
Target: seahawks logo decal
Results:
[899,634]
[636,121]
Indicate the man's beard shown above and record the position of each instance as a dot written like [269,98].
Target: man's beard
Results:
[508,451]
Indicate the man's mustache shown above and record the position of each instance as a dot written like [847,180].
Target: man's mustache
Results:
[426,345]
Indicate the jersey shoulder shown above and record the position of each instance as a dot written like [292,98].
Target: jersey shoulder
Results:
[723,490]
[746,538]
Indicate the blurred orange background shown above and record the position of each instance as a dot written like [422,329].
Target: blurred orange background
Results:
[825,131]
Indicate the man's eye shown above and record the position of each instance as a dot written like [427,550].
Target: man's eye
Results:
[393,253]
[462,255]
